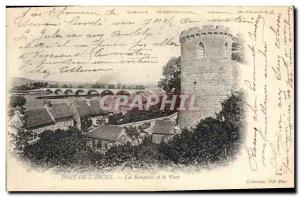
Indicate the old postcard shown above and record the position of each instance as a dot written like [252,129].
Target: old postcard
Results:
[150,98]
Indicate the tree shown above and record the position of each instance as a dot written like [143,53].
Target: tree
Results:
[98,85]
[204,144]
[179,148]
[132,132]
[19,141]
[144,155]
[119,85]
[213,140]
[171,76]
[111,86]
[30,86]
[55,85]
[86,123]
[232,116]
[17,101]
[238,51]
[141,87]
[59,148]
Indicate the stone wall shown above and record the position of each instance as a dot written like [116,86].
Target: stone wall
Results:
[211,77]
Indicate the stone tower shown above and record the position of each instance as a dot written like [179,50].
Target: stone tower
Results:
[207,70]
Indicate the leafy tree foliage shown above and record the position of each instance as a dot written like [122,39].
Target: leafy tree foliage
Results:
[98,85]
[144,155]
[54,85]
[30,86]
[232,113]
[237,52]
[59,148]
[136,115]
[139,87]
[132,132]
[171,72]
[111,86]
[86,123]
[17,101]
[213,140]
[19,141]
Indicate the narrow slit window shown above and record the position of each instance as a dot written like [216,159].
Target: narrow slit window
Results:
[200,51]
[225,50]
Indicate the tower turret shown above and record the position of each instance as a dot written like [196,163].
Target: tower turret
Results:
[207,70]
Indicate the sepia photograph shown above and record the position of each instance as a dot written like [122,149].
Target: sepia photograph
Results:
[149,98]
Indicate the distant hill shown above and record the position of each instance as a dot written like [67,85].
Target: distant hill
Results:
[19,81]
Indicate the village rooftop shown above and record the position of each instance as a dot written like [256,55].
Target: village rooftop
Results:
[166,102]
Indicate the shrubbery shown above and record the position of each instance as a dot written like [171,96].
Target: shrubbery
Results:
[213,140]
[30,86]
[135,116]
[171,80]
[86,123]
[57,148]
[143,155]
[17,101]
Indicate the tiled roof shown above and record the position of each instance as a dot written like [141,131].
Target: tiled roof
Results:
[95,107]
[83,108]
[164,127]
[87,108]
[37,118]
[106,132]
[60,110]
[33,103]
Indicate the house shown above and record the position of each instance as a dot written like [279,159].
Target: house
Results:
[83,109]
[62,115]
[50,117]
[96,113]
[106,136]
[37,121]
[163,130]
[15,122]
[80,111]
[14,125]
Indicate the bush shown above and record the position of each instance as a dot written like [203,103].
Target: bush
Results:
[57,148]
[17,101]
[171,80]
[142,156]
[213,140]
[86,123]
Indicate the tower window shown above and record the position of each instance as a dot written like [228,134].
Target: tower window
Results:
[200,51]
[194,84]
[225,50]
